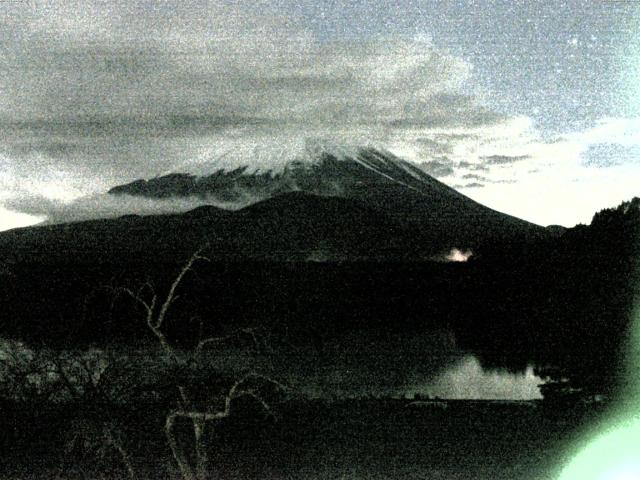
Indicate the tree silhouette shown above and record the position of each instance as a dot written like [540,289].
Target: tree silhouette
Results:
[186,363]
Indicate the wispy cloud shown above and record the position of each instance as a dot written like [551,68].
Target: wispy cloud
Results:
[111,206]
[442,167]
[473,176]
[503,159]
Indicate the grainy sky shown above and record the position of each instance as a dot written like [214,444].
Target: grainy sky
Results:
[532,108]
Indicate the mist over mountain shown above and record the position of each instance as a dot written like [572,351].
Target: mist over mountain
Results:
[372,177]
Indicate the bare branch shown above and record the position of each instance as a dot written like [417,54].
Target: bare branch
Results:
[209,341]
[148,307]
[124,455]
[186,409]
[257,398]
[172,290]
[251,332]
[178,454]
[236,391]
[200,418]
[71,388]
[198,415]
[184,398]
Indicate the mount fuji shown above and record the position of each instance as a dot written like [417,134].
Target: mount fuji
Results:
[322,204]
[372,178]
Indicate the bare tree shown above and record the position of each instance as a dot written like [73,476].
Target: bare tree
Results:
[199,416]
[94,382]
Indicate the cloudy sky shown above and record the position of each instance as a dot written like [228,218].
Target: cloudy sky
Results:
[532,108]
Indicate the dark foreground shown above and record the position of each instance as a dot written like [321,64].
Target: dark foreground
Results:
[351,439]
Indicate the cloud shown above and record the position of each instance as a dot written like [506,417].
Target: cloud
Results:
[96,95]
[611,154]
[438,168]
[111,206]
[503,159]
[624,131]
[430,146]
[10,219]
[473,176]
[485,180]
[474,166]
[445,109]
[217,62]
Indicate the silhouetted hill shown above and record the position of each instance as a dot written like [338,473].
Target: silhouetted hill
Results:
[556,230]
[612,231]
[292,226]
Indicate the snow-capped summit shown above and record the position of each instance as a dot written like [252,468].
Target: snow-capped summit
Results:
[320,168]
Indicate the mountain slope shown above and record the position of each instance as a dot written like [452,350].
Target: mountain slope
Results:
[292,226]
[380,180]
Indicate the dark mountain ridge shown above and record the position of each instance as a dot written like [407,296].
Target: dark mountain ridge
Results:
[292,226]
